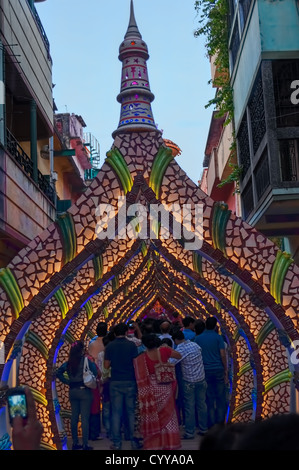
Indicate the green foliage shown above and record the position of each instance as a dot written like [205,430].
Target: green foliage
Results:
[213,25]
[213,21]
[233,177]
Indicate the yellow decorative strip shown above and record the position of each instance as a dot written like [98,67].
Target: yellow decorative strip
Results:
[278,379]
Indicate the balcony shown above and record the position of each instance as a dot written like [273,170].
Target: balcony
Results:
[27,206]
[274,208]
[217,163]
[25,162]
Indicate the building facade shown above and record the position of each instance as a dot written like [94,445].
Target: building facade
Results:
[27,198]
[44,156]
[220,157]
[264,68]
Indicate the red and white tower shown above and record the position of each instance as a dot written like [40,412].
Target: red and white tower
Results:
[135,96]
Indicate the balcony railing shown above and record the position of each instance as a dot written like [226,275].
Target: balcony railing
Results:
[42,31]
[26,164]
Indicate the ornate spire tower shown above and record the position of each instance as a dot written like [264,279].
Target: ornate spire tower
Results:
[135,96]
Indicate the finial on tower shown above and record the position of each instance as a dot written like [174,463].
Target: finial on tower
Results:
[133,30]
[135,95]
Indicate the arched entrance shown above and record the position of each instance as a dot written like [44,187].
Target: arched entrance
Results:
[67,279]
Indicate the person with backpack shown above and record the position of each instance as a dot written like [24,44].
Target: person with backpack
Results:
[80,396]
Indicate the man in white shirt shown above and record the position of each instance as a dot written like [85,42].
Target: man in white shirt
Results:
[165,329]
[194,385]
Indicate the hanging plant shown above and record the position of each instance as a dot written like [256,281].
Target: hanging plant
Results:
[213,21]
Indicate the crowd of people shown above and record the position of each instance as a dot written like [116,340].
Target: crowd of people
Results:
[130,402]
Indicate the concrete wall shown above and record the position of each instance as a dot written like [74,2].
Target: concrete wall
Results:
[25,211]
[247,66]
[224,151]
[279,26]
[272,32]
[19,27]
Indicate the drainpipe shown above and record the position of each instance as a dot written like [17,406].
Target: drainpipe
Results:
[51,152]
[2,96]
[33,139]
[53,174]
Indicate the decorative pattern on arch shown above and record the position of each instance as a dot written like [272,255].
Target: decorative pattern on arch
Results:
[58,287]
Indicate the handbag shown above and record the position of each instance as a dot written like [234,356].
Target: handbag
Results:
[164,371]
[89,379]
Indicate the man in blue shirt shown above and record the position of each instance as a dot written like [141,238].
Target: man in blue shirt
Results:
[216,373]
[188,330]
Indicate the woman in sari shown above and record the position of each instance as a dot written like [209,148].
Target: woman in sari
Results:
[158,417]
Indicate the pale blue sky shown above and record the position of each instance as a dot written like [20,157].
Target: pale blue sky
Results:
[85,37]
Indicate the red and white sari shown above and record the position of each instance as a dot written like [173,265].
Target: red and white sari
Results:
[158,417]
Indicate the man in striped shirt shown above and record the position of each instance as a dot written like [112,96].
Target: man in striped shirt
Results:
[194,385]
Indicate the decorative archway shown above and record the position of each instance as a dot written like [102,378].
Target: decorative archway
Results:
[70,277]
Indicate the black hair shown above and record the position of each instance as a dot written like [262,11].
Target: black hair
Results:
[179,335]
[102,329]
[166,341]
[151,341]
[279,432]
[187,321]
[76,353]
[120,329]
[199,326]
[211,322]
[107,339]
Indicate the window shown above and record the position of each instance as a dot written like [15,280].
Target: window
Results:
[262,176]
[289,161]
[247,200]
[243,147]
[244,11]
[235,44]
[257,113]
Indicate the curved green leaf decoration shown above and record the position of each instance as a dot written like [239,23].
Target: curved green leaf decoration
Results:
[68,236]
[119,165]
[281,377]
[89,309]
[235,294]
[46,446]
[247,406]
[69,337]
[160,164]
[236,334]
[11,287]
[197,263]
[221,215]
[34,339]
[62,302]
[98,267]
[106,312]
[144,249]
[115,283]
[279,270]
[245,368]
[264,332]
[37,395]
